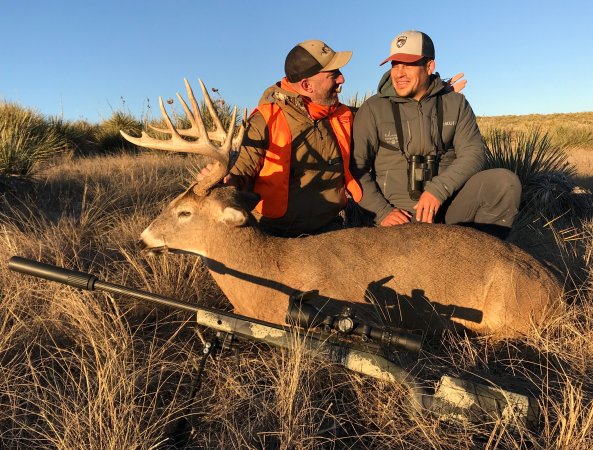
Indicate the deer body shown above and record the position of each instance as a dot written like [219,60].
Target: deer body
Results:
[423,276]
[418,276]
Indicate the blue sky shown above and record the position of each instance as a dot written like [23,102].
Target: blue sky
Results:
[85,59]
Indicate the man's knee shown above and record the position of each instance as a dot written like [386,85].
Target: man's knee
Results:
[489,197]
[504,182]
[496,179]
[501,196]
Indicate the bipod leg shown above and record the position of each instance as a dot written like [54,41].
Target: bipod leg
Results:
[237,358]
[182,430]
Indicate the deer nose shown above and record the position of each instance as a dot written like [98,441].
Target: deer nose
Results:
[141,244]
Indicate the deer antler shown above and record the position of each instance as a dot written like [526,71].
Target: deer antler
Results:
[203,144]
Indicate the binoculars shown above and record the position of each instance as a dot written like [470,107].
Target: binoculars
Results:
[420,170]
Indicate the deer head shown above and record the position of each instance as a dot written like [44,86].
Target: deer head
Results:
[198,202]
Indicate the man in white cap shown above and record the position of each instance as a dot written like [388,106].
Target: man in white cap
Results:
[418,152]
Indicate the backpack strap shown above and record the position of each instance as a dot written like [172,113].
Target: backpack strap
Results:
[397,119]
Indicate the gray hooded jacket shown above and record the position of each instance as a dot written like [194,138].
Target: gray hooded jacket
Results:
[382,171]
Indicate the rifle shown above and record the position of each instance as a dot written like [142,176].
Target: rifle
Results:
[453,399]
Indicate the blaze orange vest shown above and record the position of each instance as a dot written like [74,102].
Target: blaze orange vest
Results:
[272,181]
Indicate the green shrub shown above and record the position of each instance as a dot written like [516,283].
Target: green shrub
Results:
[108,134]
[525,153]
[545,173]
[26,139]
[80,136]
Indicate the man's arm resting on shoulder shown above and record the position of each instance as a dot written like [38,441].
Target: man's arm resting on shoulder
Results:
[457,82]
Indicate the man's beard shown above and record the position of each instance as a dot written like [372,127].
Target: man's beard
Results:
[330,100]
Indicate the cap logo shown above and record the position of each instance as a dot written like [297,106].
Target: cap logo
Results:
[325,49]
[401,41]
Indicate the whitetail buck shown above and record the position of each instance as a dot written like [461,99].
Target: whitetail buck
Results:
[417,275]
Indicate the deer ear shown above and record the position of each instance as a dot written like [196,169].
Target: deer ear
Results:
[233,216]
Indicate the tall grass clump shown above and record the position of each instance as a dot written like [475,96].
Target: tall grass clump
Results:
[571,137]
[26,139]
[355,101]
[80,136]
[108,134]
[525,153]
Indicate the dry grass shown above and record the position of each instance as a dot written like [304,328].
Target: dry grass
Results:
[84,370]
[568,131]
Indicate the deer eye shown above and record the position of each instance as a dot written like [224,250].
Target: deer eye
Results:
[183,214]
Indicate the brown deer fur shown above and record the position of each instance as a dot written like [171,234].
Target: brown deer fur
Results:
[419,276]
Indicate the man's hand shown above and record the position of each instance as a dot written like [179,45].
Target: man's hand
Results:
[204,172]
[427,207]
[228,179]
[396,217]
[456,82]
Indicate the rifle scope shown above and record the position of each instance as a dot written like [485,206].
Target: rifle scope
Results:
[307,316]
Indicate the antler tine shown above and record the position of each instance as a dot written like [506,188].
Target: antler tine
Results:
[228,142]
[220,170]
[197,128]
[176,143]
[239,138]
[211,109]
[197,123]
[174,134]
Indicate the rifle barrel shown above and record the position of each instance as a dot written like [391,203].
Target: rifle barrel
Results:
[90,282]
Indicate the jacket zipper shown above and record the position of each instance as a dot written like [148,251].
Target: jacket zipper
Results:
[421,128]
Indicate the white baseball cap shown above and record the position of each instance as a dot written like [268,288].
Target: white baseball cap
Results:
[411,46]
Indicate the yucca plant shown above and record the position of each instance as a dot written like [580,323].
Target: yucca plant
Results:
[525,153]
[80,136]
[26,139]
[545,173]
[108,135]
[224,111]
